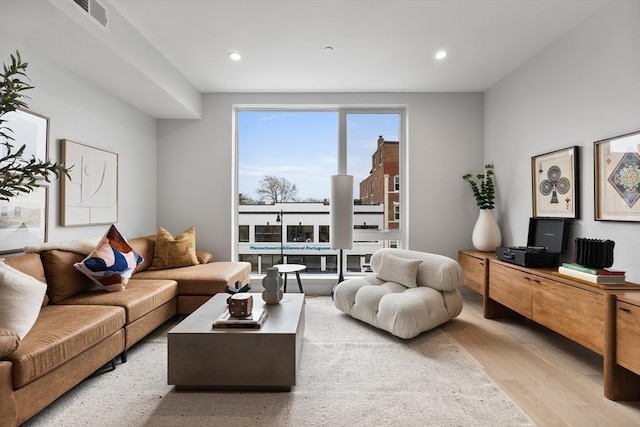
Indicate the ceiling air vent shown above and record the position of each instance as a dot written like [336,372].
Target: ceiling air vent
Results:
[95,9]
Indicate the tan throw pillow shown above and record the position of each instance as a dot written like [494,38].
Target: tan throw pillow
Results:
[20,300]
[204,257]
[400,270]
[171,252]
[9,342]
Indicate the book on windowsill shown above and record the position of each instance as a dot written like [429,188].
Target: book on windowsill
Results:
[255,320]
[598,271]
[592,278]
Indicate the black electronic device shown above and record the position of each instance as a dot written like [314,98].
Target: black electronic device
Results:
[547,239]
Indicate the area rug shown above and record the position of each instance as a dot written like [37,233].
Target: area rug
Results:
[350,374]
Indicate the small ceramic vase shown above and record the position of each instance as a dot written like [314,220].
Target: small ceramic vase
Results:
[272,284]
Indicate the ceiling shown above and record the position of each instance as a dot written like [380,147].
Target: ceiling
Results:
[171,51]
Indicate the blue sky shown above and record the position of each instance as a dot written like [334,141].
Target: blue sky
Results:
[302,146]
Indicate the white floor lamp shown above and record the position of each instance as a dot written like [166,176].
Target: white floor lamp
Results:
[341,209]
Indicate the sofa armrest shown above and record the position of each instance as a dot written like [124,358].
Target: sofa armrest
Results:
[7,402]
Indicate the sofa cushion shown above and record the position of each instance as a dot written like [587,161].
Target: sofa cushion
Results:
[28,263]
[21,298]
[436,271]
[400,270]
[202,279]
[139,298]
[173,252]
[9,342]
[60,334]
[144,246]
[111,263]
[404,312]
[63,280]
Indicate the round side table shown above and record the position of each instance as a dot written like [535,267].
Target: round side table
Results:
[284,269]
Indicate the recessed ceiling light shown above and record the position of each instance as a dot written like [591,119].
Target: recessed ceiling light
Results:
[441,54]
[235,56]
[328,49]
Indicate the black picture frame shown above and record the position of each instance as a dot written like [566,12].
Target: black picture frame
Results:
[555,184]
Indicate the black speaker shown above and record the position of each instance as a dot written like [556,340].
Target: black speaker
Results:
[594,253]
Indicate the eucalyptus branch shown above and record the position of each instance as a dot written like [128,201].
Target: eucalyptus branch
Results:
[485,192]
[19,175]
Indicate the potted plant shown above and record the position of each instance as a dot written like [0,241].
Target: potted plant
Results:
[18,174]
[486,235]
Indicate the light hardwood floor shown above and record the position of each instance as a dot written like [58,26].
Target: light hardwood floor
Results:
[554,380]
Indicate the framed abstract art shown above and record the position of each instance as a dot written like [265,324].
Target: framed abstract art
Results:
[91,195]
[617,178]
[555,184]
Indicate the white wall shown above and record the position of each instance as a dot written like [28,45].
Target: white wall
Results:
[583,88]
[195,165]
[87,114]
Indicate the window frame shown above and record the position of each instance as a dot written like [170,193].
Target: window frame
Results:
[401,234]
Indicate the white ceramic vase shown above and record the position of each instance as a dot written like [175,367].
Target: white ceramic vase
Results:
[272,284]
[486,235]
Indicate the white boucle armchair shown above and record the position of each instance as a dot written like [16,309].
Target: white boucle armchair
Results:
[409,292]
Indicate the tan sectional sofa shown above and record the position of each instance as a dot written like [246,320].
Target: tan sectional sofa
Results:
[78,331]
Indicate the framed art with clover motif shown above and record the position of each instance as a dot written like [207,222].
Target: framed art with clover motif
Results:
[617,178]
[555,184]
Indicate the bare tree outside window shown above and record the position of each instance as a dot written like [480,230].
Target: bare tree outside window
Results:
[243,199]
[279,190]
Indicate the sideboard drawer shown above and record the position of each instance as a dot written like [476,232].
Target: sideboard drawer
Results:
[628,336]
[474,271]
[511,288]
[573,312]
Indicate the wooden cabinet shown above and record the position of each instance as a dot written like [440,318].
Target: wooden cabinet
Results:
[511,288]
[576,313]
[628,336]
[474,264]
[572,311]
[622,346]
[604,321]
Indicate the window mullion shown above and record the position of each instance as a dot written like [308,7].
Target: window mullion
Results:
[342,142]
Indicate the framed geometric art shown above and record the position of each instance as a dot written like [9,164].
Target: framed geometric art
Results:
[555,182]
[24,219]
[617,178]
[91,195]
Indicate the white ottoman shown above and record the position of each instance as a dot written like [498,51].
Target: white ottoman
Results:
[410,292]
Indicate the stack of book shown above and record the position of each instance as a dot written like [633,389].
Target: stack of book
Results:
[593,275]
[254,320]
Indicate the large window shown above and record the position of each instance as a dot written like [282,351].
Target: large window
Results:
[285,160]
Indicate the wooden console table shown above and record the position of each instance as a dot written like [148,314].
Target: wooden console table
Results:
[604,321]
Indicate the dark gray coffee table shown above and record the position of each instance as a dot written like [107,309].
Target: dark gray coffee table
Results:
[204,358]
